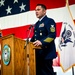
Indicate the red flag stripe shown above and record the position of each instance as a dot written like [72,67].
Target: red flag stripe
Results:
[71,2]
[50,3]
[22,32]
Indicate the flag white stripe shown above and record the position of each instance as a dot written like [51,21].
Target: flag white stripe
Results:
[72,9]
[30,17]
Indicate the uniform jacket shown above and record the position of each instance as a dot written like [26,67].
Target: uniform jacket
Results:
[45,31]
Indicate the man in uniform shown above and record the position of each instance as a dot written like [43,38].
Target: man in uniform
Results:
[44,36]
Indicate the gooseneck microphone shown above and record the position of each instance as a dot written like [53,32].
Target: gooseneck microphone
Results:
[30,27]
[30,30]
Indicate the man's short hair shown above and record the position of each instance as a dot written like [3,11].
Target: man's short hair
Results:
[42,5]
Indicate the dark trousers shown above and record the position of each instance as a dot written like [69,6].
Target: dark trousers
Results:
[44,67]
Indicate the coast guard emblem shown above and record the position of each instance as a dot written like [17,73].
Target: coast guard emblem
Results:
[6,54]
[67,37]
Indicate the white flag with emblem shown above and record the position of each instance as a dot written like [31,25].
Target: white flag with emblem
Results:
[67,41]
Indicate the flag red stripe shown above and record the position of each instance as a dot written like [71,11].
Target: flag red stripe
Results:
[71,2]
[50,3]
[22,32]
[58,28]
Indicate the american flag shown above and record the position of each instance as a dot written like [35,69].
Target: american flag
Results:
[17,15]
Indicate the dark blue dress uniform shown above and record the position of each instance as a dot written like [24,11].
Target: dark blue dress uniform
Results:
[45,31]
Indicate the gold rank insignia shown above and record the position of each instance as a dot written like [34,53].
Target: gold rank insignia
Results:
[48,39]
[52,28]
[41,25]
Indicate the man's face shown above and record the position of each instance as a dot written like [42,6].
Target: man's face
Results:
[40,12]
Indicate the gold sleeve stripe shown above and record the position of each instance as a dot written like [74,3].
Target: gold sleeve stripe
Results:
[48,40]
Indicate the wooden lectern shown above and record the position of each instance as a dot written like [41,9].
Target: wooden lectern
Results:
[21,61]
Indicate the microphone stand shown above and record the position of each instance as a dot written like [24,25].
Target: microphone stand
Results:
[27,53]
[27,41]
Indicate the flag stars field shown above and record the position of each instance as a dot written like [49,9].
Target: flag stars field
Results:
[2,3]
[22,7]
[8,10]
[15,1]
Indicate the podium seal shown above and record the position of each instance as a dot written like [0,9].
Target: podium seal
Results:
[6,54]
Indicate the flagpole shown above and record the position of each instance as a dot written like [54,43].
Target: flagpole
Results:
[67,4]
[72,70]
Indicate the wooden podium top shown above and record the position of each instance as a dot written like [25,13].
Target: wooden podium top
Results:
[13,35]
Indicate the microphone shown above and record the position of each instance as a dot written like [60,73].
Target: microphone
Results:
[30,27]
[30,30]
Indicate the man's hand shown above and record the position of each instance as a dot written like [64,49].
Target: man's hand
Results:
[37,43]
